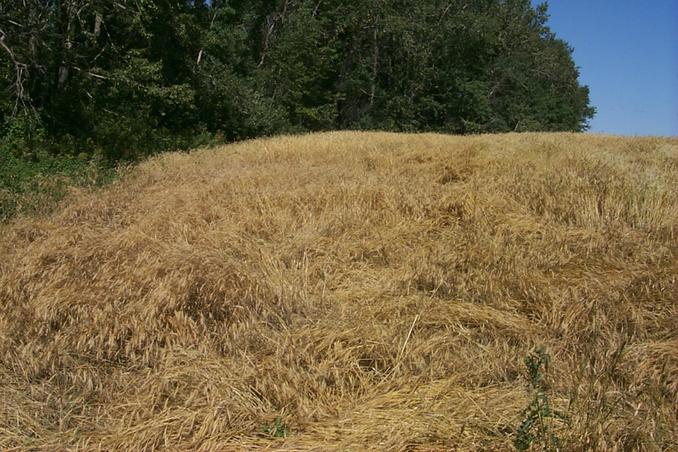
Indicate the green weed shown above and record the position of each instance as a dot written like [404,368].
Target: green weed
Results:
[277,429]
[536,427]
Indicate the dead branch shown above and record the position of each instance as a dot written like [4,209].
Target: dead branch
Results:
[20,70]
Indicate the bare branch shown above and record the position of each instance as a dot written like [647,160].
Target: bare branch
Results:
[91,74]
[214,16]
[317,6]
[20,70]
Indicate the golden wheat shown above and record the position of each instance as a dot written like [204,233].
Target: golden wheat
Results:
[372,290]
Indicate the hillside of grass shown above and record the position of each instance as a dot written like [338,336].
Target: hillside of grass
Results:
[352,291]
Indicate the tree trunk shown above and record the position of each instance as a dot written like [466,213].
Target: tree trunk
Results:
[97,24]
[375,61]
[64,71]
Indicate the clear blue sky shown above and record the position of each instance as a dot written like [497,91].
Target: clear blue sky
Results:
[627,51]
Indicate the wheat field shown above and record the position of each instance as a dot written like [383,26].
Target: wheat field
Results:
[351,291]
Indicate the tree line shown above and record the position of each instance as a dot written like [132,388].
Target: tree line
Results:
[125,78]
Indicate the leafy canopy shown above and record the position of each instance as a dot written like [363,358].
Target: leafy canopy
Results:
[126,78]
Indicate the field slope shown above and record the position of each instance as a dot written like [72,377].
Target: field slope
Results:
[368,290]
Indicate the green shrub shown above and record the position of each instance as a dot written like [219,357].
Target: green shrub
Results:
[33,181]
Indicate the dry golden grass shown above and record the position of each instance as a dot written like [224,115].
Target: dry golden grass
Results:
[373,290]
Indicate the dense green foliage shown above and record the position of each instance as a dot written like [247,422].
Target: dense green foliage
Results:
[119,79]
[35,184]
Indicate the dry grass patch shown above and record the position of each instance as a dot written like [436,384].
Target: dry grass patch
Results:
[369,290]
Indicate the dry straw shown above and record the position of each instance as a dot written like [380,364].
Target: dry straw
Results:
[368,290]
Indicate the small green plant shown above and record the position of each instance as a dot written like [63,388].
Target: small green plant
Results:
[277,429]
[536,426]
